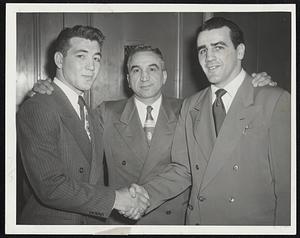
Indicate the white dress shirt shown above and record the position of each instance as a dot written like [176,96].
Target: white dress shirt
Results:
[231,90]
[142,109]
[70,93]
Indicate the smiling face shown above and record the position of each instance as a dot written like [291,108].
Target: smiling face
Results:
[79,67]
[146,76]
[220,60]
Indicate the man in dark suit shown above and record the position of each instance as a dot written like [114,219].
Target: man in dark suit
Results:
[232,142]
[60,141]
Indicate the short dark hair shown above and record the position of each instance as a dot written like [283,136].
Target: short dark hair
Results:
[236,34]
[86,32]
[145,48]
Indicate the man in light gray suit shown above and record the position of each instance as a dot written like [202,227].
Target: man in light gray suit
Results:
[232,142]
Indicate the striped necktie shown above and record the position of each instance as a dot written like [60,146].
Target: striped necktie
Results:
[84,115]
[149,125]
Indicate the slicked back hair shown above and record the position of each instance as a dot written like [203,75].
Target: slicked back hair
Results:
[236,34]
[145,48]
[85,32]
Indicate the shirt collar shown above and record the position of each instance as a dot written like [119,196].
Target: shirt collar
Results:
[155,105]
[232,87]
[70,93]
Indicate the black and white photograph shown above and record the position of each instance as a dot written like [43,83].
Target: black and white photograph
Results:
[150,119]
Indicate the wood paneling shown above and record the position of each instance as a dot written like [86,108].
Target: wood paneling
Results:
[25,55]
[268,43]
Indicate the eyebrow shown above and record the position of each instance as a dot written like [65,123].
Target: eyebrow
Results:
[151,65]
[85,51]
[212,44]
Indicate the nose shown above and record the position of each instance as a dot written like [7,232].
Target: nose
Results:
[144,76]
[210,55]
[90,64]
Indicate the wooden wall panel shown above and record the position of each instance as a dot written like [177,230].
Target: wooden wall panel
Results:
[50,24]
[72,19]
[109,84]
[25,55]
[193,78]
[268,43]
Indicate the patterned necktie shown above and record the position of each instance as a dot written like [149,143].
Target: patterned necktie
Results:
[219,112]
[84,115]
[149,125]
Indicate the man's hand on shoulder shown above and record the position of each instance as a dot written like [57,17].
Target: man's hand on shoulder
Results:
[262,79]
[41,87]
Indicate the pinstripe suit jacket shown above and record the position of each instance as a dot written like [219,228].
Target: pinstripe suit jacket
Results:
[130,160]
[61,164]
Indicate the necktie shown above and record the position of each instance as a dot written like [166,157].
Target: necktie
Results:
[149,125]
[219,112]
[84,115]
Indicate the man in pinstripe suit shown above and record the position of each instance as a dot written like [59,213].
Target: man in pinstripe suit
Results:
[60,143]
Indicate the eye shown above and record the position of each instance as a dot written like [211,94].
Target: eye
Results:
[81,56]
[97,58]
[135,70]
[153,69]
[202,51]
[219,47]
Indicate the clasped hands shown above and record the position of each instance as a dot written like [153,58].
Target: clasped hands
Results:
[132,202]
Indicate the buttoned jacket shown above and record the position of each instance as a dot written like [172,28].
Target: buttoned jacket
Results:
[241,177]
[60,163]
[130,159]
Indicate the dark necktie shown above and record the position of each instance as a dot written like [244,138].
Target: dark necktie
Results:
[149,125]
[83,116]
[219,112]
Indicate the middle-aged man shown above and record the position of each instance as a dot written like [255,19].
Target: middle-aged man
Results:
[60,142]
[232,142]
[132,156]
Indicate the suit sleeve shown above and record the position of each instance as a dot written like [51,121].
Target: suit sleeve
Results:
[38,131]
[176,177]
[280,156]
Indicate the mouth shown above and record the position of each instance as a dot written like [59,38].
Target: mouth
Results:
[212,68]
[146,86]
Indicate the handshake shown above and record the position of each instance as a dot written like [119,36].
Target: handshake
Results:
[132,202]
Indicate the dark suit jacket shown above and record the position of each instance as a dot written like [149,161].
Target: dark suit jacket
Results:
[60,163]
[130,160]
[243,176]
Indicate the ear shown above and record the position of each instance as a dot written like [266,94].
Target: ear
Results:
[240,51]
[128,80]
[165,75]
[58,59]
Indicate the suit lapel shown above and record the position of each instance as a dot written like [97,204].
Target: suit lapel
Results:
[164,130]
[238,118]
[202,121]
[97,150]
[130,128]
[71,121]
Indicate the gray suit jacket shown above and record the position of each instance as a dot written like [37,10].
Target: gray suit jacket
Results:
[243,176]
[130,160]
[60,162]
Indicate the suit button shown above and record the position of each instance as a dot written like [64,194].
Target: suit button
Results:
[123,162]
[190,207]
[168,212]
[201,198]
[197,166]
[235,167]
[81,170]
[231,200]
